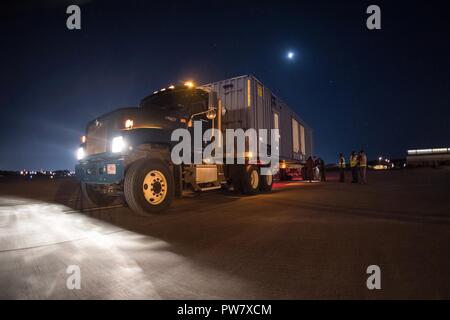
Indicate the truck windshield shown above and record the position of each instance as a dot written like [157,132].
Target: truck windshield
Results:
[185,101]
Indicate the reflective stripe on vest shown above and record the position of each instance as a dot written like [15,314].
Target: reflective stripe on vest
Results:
[363,161]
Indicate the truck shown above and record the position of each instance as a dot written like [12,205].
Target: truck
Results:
[127,152]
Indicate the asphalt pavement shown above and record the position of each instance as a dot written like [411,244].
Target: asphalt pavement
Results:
[301,241]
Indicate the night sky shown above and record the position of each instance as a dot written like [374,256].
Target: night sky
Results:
[384,91]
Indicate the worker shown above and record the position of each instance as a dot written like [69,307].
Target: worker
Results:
[341,165]
[354,166]
[323,178]
[362,163]
[309,169]
[316,168]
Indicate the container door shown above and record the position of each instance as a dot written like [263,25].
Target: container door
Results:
[295,139]
[302,141]
[259,106]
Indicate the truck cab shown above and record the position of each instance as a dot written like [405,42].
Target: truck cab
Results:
[127,153]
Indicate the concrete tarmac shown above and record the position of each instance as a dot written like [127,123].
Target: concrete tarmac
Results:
[301,241]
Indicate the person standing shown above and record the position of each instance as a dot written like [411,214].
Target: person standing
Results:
[354,166]
[362,162]
[309,169]
[323,177]
[341,165]
[316,168]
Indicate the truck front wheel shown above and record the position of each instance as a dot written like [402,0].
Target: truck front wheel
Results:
[149,186]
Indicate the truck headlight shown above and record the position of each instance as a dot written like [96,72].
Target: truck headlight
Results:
[118,144]
[80,153]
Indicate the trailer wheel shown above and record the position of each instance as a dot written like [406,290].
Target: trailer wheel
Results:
[149,187]
[266,182]
[95,197]
[250,180]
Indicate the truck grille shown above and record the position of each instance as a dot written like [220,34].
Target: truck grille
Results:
[96,139]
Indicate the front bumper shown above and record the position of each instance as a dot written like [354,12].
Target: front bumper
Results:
[100,169]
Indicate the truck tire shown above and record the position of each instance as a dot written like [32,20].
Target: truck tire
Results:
[251,180]
[94,197]
[149,187]
[266,183]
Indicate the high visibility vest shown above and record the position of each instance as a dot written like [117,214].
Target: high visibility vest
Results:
[342,162]
[353,161]
[363,161]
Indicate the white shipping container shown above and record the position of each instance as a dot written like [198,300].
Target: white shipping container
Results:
[250,104]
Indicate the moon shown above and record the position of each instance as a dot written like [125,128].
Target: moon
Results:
[290,55]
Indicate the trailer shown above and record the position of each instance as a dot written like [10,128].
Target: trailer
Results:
[250,104]
[129,152]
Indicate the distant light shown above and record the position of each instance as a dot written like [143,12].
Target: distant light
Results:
[290,55]
[425,151]
[380,167]
[440,150]
[380,158]
[429,151]
[155,92]
[163,89]
[189,84]
[83,139]
[172,87]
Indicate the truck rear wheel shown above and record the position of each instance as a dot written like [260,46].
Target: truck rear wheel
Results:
[95,197]
[266,182]
[250,180]
[149,186]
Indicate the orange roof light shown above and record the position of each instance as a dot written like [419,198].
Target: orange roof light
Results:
[189,84]
[128,124]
